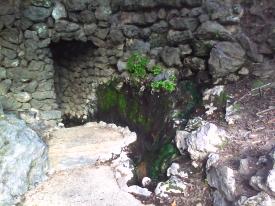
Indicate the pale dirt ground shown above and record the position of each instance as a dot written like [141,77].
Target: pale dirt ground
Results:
[87,186]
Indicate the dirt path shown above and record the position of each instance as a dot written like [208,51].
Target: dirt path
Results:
[77,181]
[89,186]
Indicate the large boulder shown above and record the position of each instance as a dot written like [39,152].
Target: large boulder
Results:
[226,58]
[199,143]
[23,157]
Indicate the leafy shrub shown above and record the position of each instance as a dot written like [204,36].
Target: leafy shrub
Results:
[168,85]
[136,65]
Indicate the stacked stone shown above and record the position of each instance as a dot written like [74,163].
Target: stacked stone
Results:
[197,39]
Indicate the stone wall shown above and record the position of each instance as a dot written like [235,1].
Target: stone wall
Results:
[43,66]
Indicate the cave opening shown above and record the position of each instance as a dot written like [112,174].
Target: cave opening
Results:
[154,116]
[74,79]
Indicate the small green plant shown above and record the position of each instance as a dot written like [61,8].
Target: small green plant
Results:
[257,83]
[156,70]
[136,65]
[168,85]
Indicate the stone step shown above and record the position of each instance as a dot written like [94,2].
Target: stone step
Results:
[86,145]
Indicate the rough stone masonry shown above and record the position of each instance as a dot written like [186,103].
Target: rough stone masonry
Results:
[93,38]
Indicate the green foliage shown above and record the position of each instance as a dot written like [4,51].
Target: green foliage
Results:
[136,65]
[163,160]
[257,83]
[156,70]
[168,85]
[222,99]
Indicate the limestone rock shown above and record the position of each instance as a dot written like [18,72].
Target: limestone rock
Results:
[37,14]
[222,178]
[136,190]
[179,37]
[3,73]
[270,181]
[261,199]
[219,200]
[211,30]
[5,86]
[171,56]
[66,26]
[59,11]
[204,140]
[214,98]
[23,159]
[50,115]
[175,170]
[226,58]
[23,97]
[172,186]
[212,160]
[180,23]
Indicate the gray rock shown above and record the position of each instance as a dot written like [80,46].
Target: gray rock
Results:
[258,183]
[87,17]
[42,30]
[250,47]
[11,35]
[76,5]
[42,3]
[37,14]
[23,97]
[160,27]
[194,63]
[171,56]
[3,73]
[9,103]
[270,181]
[131,31]
[222,178]
[121,66]
[5,86]
[172,186]
[139,18]
[219,200]
[89,29]
[211,30]
[66,26]
[244,166]
[44,95]
[50,115]
[139,46]
[212,160]
[183,23]
[175,170]
[185,50]
[103,13]
[179,37]
[101,33]
[223,11]
[23,159]
[10,54]
[1,111]
[202,141]
[226,58]
[261,199]
[116,36]
[136,190]
[59,11]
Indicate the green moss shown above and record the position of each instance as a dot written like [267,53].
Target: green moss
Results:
[108,100]
[163,160]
